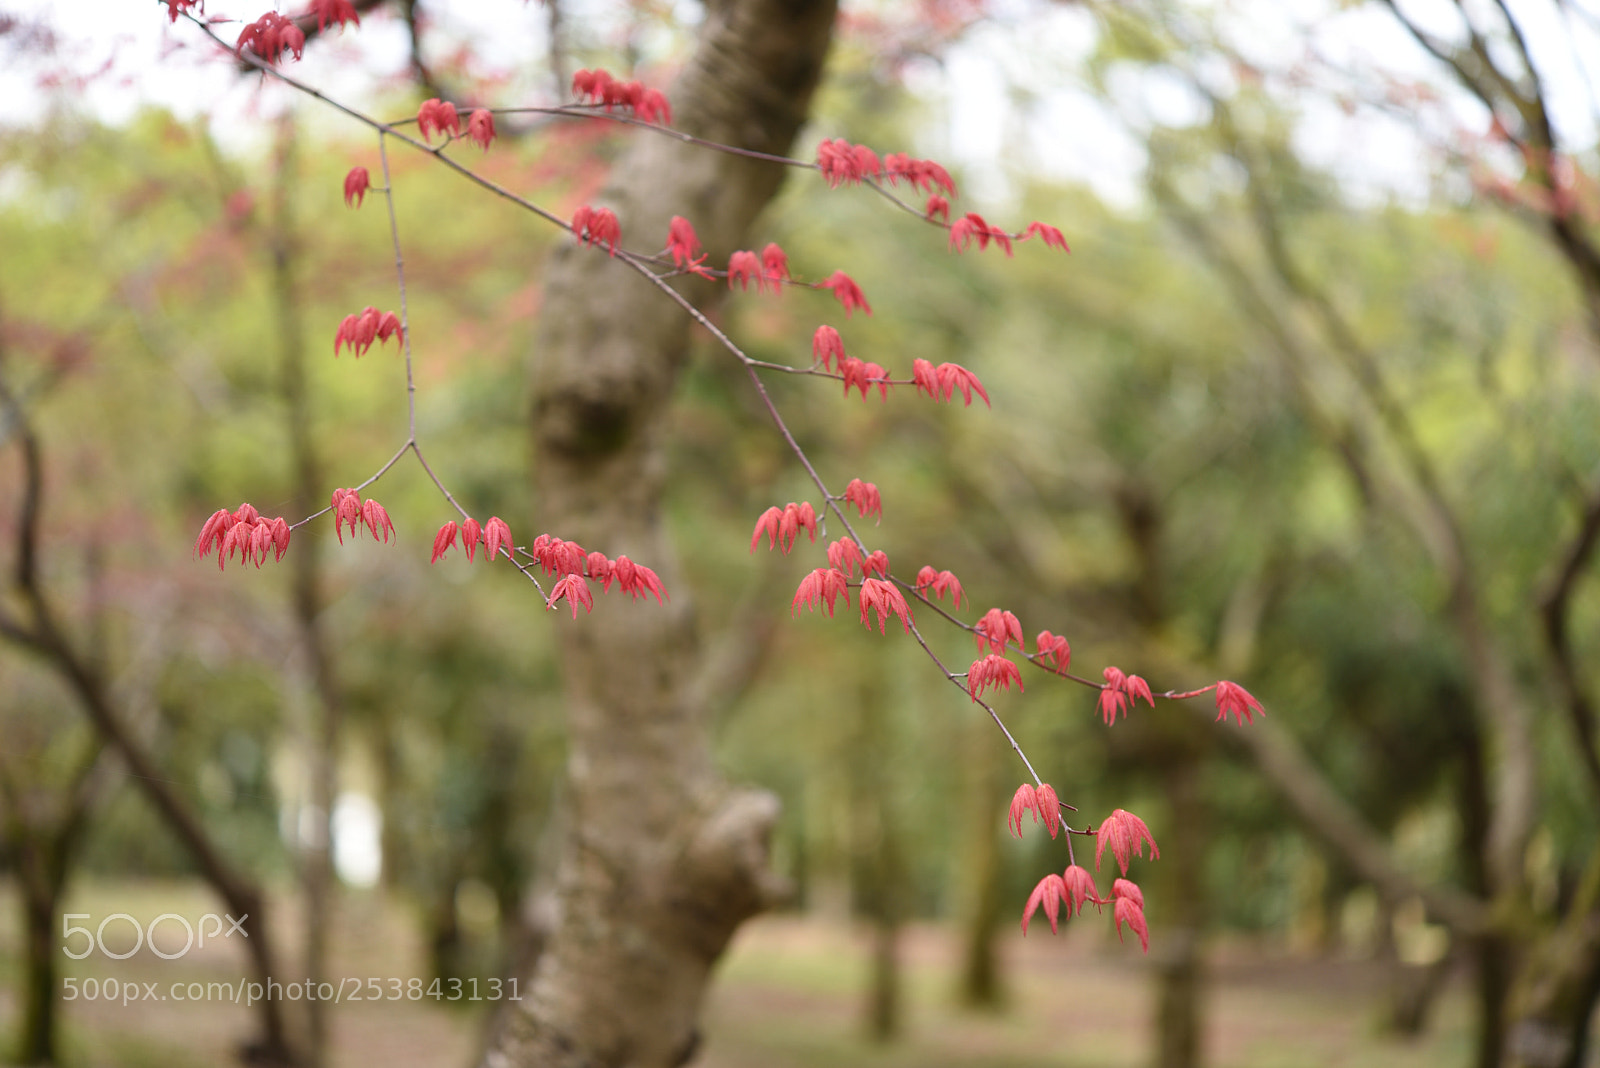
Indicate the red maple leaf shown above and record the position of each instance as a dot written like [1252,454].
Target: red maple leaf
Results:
[443,540]
[825,585]
[356,184]
[438,116]
[337,12]
[638,580]
[992,670]
[376,519]
[1129,909]
[480,127]
[996,628]
[597,226]
[883,598]
[1052,237]
[849,294]
[865,496]
[575,590]
[744,268]
[1050,892]
[1126,834]
[775,265]
[497,537]
[1080,889]
[1024,800]
[471,537]
[1231,697]
[827,346]
[844,555]
[1054,651]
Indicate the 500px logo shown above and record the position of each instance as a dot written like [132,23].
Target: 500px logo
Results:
[224,926]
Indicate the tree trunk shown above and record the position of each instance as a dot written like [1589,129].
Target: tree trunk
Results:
[316,856]
[878,857]
[983,869]
[1558,990]
[662,860]
[1179,961]
[37,1044]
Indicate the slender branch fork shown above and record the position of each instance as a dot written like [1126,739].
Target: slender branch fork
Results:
[646,266]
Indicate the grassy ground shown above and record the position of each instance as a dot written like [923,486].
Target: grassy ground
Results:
[789,995]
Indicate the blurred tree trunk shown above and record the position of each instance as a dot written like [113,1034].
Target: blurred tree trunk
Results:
[42,850]
[982,868]
[1554,998]
[1178,959]
[316,856]
[1174,749]
[879,856]
[663,860]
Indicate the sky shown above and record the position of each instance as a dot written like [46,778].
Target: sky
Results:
[1036,50]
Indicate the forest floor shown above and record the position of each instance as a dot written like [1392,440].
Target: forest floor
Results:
[790,994]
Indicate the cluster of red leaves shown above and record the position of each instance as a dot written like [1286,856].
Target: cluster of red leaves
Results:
[360,331]
[941,382]
[783,525]
[1231,697]
[1120,692]
[1052,237]
[849,294]
[337,12]
[597,226]
[1075,886]
[996,628]
[246,532]
[768,272]
[827,346]
[865,496]
[842,163]
[864,375]
[823,586]
[437,116]
[992,670]
[495,535]
[845,555]
[973,227]
[1126,834]
[1054,650]
[683,243]
[567,559]
[270,36]
[555,556]
[939,582]
[348,507]
[1039,802]
[599,87]
[1129,909]
[182,7]
[883,597]
[937,206]
[356,184]
[923,174]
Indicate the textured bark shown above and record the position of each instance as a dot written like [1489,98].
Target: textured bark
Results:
[662,860]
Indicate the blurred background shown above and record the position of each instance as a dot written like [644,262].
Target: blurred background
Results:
[1313,404]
